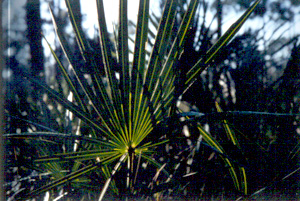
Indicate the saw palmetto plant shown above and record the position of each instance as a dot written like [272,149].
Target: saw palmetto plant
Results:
[125,108]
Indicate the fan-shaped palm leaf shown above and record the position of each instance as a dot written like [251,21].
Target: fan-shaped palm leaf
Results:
[122,106]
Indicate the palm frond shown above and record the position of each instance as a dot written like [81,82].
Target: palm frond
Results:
[64,179]
[122,103]
[202,64]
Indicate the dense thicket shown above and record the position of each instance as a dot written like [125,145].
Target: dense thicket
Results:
[245,76]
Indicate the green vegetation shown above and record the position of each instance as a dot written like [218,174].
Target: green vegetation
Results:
[127,137]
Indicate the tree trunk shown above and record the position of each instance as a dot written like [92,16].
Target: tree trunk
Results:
[34,37]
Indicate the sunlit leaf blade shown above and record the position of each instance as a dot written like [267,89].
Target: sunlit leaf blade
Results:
[116,106]
[104,152]
[215,144]
[159,48]
[82,43]
[201,65]
[141,37]
[87,53]
[96,102]
[233,173]
[106,170]
[63,42]
[156,59]
[67,78]
[142,121]
[137,98]
[73,63]
[230,134]
[166,78]
[123,57]
[185,25]
[95,154]
[99,87]
[69,105]
[104,38]
[244,180]
[142,96]
[210,140]
[37,135]
[116,168]
[64,179]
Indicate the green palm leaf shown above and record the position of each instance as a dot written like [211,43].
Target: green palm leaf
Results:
[202,64]
[116,168]
[67,78]
[75,67]
[137,100]
[65,179]
[231,136]
[215,144]
[122,114]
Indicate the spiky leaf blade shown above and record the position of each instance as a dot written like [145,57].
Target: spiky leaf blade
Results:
[201,65]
